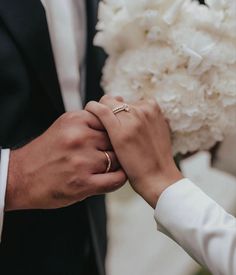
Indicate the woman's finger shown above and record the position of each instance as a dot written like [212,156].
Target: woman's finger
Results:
[104,114]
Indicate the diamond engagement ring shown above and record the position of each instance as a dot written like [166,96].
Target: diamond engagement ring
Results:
[109,162]
[122,108]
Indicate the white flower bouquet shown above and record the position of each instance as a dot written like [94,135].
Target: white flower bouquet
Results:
[180,52]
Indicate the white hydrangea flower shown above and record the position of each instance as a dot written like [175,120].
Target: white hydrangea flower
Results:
[179,52]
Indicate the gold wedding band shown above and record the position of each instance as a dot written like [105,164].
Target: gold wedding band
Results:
[122,108]
[109,162]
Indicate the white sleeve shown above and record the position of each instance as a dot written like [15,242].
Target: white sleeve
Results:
[4,160]
[199,225]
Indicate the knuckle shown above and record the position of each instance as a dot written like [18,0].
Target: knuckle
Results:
[146,110]
[67,121]
[68,116]
[71,118]
[74,138]
[89,104]
[104,111]
[137,127]
[83,135]
[154,104]
[76,162]
[70,138]
[105,98]
[126,137]
[67,139]
[83,116]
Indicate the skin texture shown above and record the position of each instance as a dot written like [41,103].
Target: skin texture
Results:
[141,140]
[64,165]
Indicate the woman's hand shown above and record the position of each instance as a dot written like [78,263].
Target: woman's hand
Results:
[141,139]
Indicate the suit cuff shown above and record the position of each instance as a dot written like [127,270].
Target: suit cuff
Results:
[4,161]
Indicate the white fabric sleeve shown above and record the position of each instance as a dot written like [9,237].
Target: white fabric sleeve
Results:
[199,225]
[4,161]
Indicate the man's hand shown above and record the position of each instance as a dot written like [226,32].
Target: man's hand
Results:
[141,139]
[64,165]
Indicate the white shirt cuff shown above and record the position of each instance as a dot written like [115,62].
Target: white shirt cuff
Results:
[169,202]
[196,222]
[3,183]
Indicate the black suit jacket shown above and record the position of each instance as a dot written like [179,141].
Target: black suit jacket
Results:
[55,241]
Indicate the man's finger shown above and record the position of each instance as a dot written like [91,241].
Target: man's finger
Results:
[93,122]
[106,160]
[109,182]
[101,140]
[104,114]
[111,156]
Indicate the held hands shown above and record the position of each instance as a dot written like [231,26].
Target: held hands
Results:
[141,140]
[65,165]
